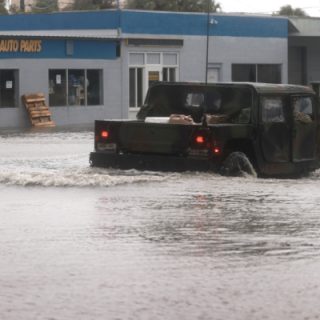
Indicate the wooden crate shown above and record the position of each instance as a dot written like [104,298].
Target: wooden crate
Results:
[39,113]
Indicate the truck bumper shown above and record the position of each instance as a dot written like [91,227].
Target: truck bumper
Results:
[150,162]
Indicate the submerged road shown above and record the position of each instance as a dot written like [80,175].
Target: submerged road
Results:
[84,243]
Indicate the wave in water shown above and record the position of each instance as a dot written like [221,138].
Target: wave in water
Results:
[90,177]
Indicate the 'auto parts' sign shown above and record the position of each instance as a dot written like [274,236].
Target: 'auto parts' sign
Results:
[20,45]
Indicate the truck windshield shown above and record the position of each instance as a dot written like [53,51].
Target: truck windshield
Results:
[235,102]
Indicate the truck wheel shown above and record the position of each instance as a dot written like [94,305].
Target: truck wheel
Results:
[237,164]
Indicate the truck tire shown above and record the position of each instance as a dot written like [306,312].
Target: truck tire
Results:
[237,164]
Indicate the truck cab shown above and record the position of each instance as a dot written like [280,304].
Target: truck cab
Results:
[288,128]
[227,127]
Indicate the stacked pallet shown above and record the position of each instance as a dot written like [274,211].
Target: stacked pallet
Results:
[39,113]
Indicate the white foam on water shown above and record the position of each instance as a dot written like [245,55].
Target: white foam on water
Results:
[75,177]
[315,174]
[59,159]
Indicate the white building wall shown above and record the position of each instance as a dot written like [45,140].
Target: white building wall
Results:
[224,51]
[312,50]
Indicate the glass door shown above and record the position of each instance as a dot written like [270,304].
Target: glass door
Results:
[153,75]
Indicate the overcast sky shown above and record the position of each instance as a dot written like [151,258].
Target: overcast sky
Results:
[311,7]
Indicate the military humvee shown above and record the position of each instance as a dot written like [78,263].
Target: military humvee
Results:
[271,129]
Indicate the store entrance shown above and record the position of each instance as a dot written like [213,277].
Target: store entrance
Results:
[154,75]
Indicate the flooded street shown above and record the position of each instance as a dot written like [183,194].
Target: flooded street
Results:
[86,243]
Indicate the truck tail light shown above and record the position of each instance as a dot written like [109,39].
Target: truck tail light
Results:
[105,141]
[199,146]
[200,139]
[104,134]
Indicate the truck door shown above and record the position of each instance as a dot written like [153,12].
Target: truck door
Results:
[304,128]
[275,132]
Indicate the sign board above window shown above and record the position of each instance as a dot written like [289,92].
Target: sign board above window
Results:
[21,45]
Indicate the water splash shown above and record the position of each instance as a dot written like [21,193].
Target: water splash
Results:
[77,178]
[238,165]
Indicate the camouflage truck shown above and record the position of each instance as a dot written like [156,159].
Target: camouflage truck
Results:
[231,128]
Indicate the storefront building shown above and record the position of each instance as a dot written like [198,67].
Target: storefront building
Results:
[304,50]
[95,65]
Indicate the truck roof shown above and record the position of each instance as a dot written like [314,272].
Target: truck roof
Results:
[265,88]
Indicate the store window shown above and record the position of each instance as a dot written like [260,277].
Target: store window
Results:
[169,74]
[153,58]
[170,59]
[75,87]
[268,73]
[170,67]
[94,87]
[9,88]
[57,88]
[136,87]
[136,59]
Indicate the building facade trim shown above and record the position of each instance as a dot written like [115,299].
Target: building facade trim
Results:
[28,48]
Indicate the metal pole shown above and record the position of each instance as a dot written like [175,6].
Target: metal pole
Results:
[207,49]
